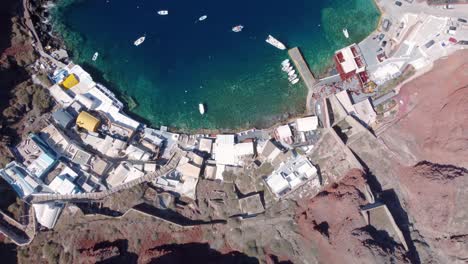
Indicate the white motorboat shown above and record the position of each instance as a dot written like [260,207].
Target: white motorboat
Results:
[291,73]
[288,69]
[163,12]
[292,77]
[95,56]
[295,81]
[139,41]
[285,62]
[202,18]
[345,32]
[276,43]
[201,108]
[238,28]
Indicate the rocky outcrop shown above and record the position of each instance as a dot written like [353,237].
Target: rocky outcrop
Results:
[196,253]
[436,199]
[332,223]
[110,252]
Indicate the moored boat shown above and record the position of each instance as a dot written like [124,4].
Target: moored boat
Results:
[291,73]
[238,28]
[295,81]
[345,32]
[163,12]
[139,41]
[201,108]
[292,77]
[95,56]
[202,18]
[274,42]
[285,62]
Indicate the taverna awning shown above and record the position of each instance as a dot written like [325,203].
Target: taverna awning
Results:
[87,121]
[70,81]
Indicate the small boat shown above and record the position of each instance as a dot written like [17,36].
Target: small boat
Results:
[201,108]
[95,56]
[238,28]
[139,41]
[345,33]
[285,62]
[163,12]
[292,77]
[295,81]
[288,69]
[275,43]
[291,73]
[202,18]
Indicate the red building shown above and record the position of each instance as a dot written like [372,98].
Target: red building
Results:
[350,62]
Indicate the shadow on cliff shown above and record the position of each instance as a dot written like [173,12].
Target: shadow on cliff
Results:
[8,253]
[125,257]
[391,199]
[198,253]
[9,78]
[6,13]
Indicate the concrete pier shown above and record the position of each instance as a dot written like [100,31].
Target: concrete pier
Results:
[306,75]
[302,67]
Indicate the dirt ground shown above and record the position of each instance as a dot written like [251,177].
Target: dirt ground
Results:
[433,115]
[436,199]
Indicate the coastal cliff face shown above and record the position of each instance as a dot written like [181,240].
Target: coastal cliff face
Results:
[333,225]
[436,199]
[430,142]
[16,53]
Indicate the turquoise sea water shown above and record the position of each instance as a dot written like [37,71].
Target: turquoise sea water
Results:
[184,62]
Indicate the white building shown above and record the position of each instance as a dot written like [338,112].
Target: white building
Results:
[226,152]
[47,214]
[284,134]
[365,112]
[183,180]
[63,183]
[362,110]
[125,172]
[19,178]
[206,145]
[307,123]
[291,175]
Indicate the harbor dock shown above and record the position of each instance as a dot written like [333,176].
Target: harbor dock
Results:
[307,76]
[301,66]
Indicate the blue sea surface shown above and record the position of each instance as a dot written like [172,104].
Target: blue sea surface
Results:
[184,62]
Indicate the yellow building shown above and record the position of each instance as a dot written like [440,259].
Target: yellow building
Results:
[70,81]
[87,121]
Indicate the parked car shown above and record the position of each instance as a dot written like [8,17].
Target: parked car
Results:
[462,20]
[386,24]
[398,3]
